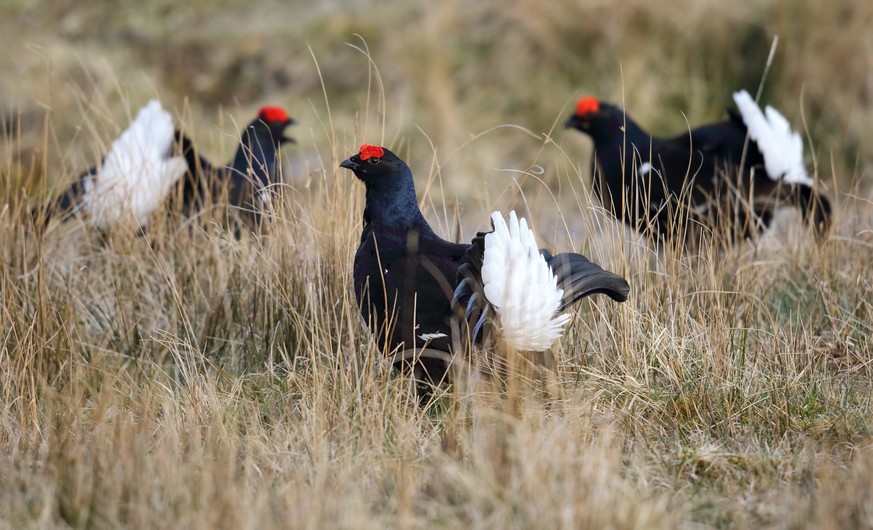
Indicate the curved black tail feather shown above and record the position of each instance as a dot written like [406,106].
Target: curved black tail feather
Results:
[579,277]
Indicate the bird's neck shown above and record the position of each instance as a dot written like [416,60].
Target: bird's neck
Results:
[617,144]
[636,135]
[259,154]
[395,208]
[619,132]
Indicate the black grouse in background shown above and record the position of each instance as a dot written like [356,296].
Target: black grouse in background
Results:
[251,174]
[418,292]
[139,171]
[131,182]
[652,183]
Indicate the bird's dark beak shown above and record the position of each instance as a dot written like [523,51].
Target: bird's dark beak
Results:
[572,122]
[285,138]
[350,163]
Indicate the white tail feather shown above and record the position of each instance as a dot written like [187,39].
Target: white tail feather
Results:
[520,285]
[781,146]
[137,173]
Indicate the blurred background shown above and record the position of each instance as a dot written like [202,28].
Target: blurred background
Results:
[438,81]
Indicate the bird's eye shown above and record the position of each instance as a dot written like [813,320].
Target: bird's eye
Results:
[373,160]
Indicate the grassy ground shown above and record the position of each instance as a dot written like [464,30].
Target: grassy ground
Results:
[189,379]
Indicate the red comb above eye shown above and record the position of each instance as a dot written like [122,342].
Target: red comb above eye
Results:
[273,114]
[369,151]
[586,105]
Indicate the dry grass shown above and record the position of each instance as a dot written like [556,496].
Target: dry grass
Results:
[185,378]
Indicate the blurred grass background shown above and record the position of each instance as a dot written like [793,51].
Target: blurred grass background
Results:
[453,69]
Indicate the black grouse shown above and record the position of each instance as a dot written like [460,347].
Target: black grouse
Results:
[418,291]
[249,177]
[142,166]
[652,183]
[133,179]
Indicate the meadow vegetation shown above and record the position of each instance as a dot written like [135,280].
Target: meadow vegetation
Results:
[186,378]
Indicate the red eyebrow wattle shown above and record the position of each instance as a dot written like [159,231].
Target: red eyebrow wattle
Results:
[273,114]
[586,105]
[370,151]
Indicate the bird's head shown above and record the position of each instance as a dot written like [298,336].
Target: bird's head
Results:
[377,167]
[592,115]
[390,188]
[273,121]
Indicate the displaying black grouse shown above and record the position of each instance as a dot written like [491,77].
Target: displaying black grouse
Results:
[418,291]
[131,182]
[248,178]
[651,183]
[140,169]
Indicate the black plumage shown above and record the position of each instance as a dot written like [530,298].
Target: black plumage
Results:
[248,178]
[414,287]
[653,184]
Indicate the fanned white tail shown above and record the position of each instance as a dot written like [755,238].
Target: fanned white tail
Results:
[781,146]
[520,285]
[137,173]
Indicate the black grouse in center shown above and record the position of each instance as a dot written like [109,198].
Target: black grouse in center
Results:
[651,183]
[417,290]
